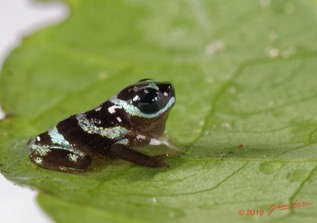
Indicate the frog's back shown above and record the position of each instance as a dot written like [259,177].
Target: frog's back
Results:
[94,131]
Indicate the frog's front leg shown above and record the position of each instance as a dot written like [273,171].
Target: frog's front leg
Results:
[59,157]
[121,151]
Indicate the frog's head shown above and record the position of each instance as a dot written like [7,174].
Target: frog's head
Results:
[147,104]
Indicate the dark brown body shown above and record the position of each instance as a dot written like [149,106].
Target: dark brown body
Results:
[117,128]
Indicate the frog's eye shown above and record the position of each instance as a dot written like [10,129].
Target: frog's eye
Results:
[149,101]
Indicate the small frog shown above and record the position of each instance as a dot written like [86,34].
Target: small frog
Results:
[120,127]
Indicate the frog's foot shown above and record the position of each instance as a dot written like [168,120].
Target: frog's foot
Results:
[122,152]
[59,158]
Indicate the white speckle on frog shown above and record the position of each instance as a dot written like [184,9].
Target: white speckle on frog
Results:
[136,97]
[43,150]
[140,137]
[98,108]
[155,142]
[73,157]
[113,108]
[62,168]
[38,160]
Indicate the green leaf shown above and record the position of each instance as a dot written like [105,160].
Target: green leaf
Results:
[244,73]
